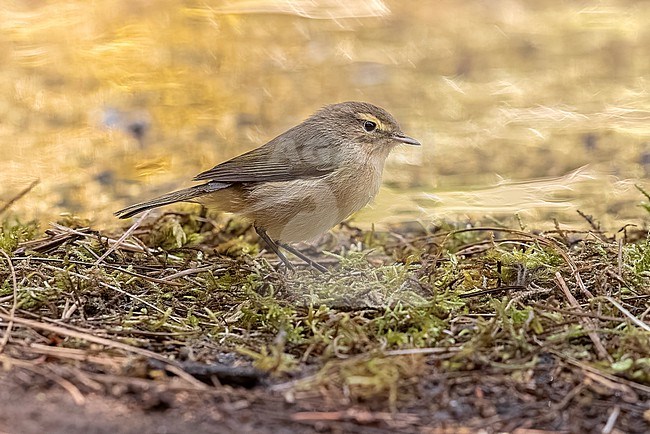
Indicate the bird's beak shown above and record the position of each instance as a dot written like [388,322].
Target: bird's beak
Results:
[405,139]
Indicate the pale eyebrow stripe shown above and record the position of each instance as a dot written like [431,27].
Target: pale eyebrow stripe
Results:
[369,117]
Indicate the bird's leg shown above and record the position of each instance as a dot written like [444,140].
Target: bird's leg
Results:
[269,242]
[304,257]
[276,249]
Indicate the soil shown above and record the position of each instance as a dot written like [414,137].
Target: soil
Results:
[475,402]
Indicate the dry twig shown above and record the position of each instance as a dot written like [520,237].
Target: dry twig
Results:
[74,392]
[124,236]
[586,321]
[628,314]
[12,312]
[19,196]
[108,343]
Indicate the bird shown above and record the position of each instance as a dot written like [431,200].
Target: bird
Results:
[304,181]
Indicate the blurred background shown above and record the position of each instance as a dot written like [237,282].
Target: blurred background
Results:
[535,109]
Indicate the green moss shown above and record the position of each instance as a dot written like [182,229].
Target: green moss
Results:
[13,232]
[340,327]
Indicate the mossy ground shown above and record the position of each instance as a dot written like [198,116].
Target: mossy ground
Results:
[490,328]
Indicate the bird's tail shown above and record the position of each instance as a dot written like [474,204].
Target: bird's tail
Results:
[184,195]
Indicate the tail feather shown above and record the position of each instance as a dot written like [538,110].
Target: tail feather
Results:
[184,195]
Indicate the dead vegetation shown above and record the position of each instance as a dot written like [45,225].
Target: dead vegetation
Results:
[489,328]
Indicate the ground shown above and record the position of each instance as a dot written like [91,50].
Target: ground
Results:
[183,324]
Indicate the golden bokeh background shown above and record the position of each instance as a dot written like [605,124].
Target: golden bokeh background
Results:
[536,108]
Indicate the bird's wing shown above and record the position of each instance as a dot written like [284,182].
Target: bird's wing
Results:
[278,160]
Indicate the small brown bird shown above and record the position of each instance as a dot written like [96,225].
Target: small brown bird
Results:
[303,182]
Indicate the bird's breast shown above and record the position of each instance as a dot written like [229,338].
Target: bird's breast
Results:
[302,209]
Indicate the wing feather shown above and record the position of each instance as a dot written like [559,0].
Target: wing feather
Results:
[280,159]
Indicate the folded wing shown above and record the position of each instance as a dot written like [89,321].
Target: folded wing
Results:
[278,160]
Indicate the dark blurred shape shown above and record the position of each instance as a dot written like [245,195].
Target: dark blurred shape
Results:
[236,376]
[246,120]
[465,64]
[644,159]
[135,123]
[527,49]
[106,177]
[590,142]
[138,129]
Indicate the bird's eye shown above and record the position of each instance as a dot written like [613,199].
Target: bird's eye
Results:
[369,126]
